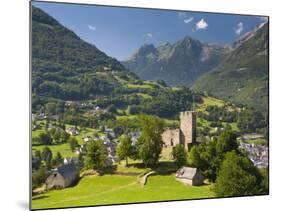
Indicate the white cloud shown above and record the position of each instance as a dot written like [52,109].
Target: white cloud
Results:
[93,28]
[188,20]
[263,18]
[149,35]
[202,24]
[185,17]
[239,28]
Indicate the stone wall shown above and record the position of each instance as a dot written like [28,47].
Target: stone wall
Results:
[185,135]
[55,180]
[171,137]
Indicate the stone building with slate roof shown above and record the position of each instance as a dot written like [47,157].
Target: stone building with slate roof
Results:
[190,176]
[64,176]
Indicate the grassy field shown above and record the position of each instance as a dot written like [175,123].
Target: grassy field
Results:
[259,141]
[210,101]
[142,86]
[116,189]
[64,149]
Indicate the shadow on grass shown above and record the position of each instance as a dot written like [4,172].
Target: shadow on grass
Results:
[161,168]
[40,197]
[164,168]
[108,170]
[136,165]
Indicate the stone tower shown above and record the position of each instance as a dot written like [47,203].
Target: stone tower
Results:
[188,128]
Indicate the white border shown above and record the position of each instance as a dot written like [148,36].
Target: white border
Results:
[15,99]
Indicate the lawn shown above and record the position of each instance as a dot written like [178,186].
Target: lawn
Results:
[116,189]
[209,101]
[145,96]
[142,86]
[64,149]
[259,141]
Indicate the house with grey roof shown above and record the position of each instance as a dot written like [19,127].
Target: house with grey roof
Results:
[190,176]
[72,131]
[73,160]
[64,176]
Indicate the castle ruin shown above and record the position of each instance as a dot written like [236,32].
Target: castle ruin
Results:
[185,135]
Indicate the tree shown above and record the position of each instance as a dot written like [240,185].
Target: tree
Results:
[264,186]
[73,143]
[204,157]
[57,136]
[111,108]
[249,120]
[37,154]
[226,142]
[45,138]
[96,155]
[36,160]
[47,156]
[179,155]
[237,177]
[58,159]
[150,142]
[64,136]
[124,148]
[209,156]
[39,177]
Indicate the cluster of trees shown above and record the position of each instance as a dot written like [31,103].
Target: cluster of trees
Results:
[43,161]
[163,101]
[248,120]
[216,114]
[167,103]
[52,136]
[238,176]
[251,120]
[148,148]
[223,163]
[46,158]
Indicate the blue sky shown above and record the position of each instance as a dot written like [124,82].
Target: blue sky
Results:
[120,31]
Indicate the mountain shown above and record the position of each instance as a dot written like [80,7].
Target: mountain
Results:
[242,76]
[66,68]
[178,63]
[63,48]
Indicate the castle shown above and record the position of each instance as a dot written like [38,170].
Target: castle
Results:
[185,135]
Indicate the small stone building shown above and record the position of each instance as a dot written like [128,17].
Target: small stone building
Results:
[190,176]
[63,177]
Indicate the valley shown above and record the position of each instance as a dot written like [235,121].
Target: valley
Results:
[98,124]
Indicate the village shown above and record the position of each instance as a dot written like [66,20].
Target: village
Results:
[68,173]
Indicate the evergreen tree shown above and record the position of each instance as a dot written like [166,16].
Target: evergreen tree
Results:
[237,177]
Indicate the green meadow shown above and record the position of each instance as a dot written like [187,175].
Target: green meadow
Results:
[117,189]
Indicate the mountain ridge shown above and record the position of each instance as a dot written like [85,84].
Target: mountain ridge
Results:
[188,58]
[243,75]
